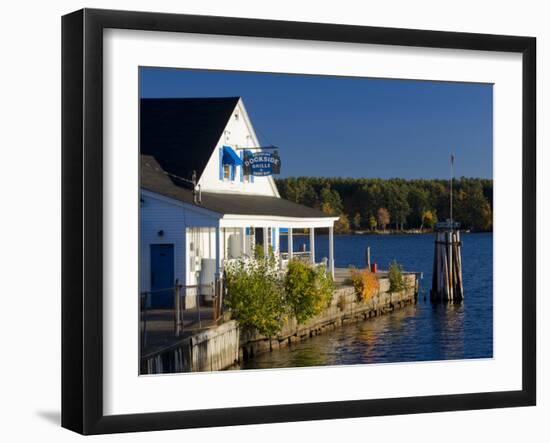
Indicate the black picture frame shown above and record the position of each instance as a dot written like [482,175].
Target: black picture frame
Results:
[82,218]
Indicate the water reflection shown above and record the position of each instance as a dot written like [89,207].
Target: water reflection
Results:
[415,333]
[390,338]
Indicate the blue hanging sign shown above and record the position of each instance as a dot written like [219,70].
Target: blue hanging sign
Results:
[261,164]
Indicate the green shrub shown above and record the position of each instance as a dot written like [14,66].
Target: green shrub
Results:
[308,289]
[259,252]
[395,274]
[260,297]
[255,294]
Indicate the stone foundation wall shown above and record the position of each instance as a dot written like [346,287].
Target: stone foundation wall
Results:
[345,308]
[222,346]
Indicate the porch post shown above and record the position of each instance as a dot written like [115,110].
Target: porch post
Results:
[218,251]
[266,241]
[275,237]
[220,245]
[312,244]
[290,244]
[243,241]
[331,250]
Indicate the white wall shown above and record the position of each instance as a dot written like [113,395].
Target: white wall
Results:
[158,216]
[158,213]
[239,133]
[203,241]
[30,326]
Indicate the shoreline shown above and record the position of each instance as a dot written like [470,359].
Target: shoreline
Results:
[225,346]
[382,233]
[344,309]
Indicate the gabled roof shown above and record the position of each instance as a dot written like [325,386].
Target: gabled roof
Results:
[154,179]
[181,133]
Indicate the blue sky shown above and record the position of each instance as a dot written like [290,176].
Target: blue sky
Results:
[352,127]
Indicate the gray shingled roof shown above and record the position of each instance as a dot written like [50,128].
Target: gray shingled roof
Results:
[154,179]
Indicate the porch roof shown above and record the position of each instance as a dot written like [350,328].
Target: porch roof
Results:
[154,179]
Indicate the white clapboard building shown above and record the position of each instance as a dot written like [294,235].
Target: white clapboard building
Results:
[187,231]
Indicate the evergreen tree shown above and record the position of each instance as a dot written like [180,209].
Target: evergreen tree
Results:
[357,220]
[414,203]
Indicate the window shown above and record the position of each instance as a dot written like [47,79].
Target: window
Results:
[229,160]
[247,178]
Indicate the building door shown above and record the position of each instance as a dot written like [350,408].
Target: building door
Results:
[258,238]
[162,276]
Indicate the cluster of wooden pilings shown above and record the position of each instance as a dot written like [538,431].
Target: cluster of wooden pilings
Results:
[447,268]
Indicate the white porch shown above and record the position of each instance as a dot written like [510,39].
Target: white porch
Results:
[209,248]
[272,228]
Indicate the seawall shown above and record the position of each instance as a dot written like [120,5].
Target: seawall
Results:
[345,308]
[213,349]
[225,345]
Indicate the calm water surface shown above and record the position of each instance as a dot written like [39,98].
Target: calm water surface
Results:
[416,333]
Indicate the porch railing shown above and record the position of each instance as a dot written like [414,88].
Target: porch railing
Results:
[301,255]
[184,317]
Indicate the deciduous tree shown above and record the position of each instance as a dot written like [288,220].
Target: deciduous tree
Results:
[383,218]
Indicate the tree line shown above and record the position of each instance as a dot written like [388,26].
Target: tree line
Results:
[397,204]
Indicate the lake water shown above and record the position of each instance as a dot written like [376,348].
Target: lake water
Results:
[421,332]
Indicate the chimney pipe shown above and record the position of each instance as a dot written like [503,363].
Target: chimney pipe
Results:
[194,180]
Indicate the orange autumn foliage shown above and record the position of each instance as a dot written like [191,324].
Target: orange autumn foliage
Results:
[365,283]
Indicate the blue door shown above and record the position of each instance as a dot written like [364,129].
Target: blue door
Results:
[162,276]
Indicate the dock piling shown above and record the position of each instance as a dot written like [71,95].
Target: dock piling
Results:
[368,257]
[447,268]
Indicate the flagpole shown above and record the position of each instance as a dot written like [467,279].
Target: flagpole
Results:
[451,200]
[451,237]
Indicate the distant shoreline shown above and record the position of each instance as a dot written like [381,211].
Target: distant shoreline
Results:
[408,232]
[387,232]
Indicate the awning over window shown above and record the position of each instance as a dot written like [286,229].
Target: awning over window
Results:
[230,157]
